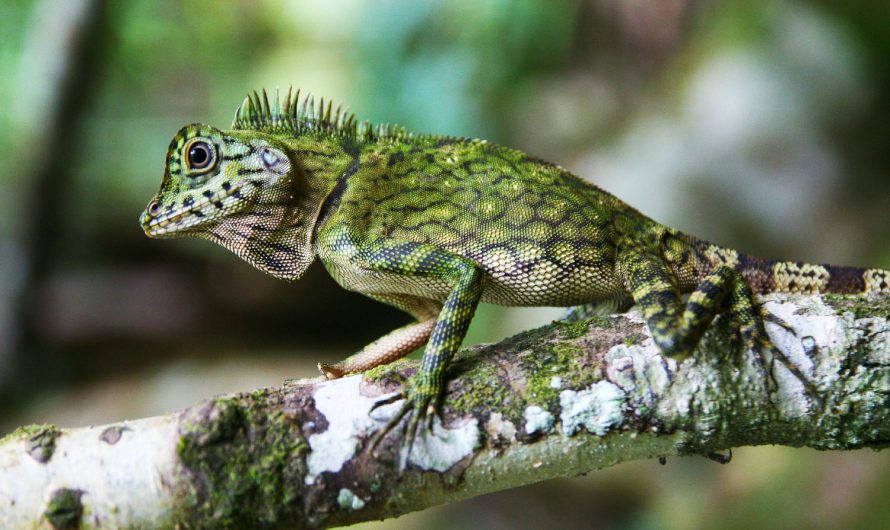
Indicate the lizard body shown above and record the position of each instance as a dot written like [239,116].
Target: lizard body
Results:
[433,225]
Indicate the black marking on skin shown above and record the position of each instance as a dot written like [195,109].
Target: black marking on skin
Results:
[208,194]
[226,186]
[248,171]
[395,158]
[332,201]
[320,153]
[442,142]
[843,280]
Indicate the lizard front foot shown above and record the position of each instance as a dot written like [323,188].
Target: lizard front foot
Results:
[420,407]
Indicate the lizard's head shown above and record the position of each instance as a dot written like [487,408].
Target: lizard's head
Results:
[236,188]
[209,176]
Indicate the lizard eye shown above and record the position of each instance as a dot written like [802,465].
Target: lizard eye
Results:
[201,156]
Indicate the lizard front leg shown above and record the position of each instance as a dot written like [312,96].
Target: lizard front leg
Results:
[430,268]
[395,344]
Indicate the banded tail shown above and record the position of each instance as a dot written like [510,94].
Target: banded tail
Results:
[776,276]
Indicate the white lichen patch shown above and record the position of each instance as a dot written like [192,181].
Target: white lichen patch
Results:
[556,382]
[349,500]
[439,448]
[809,317]
[497,427]
[537,420]
[346,411]
[122,483]
[598,408]
[639,370]
[816,328]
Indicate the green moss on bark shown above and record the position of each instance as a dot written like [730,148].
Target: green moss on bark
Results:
[246,461]
[64,509]
[40,440]
[860,306]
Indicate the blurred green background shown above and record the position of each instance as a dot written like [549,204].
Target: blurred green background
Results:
[755,124]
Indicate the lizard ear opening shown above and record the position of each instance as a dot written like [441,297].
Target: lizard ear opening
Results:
[274,160]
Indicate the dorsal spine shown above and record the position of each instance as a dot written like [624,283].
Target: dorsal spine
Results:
[296,114]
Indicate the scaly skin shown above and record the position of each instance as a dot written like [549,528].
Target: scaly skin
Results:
[434,225]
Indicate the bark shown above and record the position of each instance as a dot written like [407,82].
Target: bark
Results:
[556,401]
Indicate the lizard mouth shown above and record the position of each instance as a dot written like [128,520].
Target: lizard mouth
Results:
[161,224]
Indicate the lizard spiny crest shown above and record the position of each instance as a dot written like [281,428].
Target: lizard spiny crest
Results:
[297,115]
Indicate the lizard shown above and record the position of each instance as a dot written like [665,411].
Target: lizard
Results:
[433,225]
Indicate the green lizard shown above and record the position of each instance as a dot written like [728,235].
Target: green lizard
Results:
[433,225]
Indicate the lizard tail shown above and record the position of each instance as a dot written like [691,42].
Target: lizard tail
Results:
[776,276]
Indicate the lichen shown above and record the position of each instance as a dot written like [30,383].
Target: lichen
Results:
[598,408]
[347,412]
[64,509]
[245,460]
[349,500]
[440,448]
[537,420]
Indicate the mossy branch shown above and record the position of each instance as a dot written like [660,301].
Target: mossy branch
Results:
[556,401]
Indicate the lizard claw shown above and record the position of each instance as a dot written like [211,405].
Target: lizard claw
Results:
[761,344]
[775,319]
[391,424]
[421,413]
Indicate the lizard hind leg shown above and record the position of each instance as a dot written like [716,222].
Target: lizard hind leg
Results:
[395,344]
[677,329]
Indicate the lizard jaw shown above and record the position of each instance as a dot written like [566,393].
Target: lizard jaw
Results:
[168,223]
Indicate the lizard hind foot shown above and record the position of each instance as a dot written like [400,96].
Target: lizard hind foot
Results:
[766,354]
[330,371]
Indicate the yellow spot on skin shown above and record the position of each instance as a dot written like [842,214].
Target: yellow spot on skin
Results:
[499,262]
[529,252]
[790,277]
[723,256]
[443,212]
[564,252]
[494,234]
[518,214]
[877,281]
[540,230]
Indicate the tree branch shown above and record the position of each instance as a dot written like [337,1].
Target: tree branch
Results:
[556,401]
